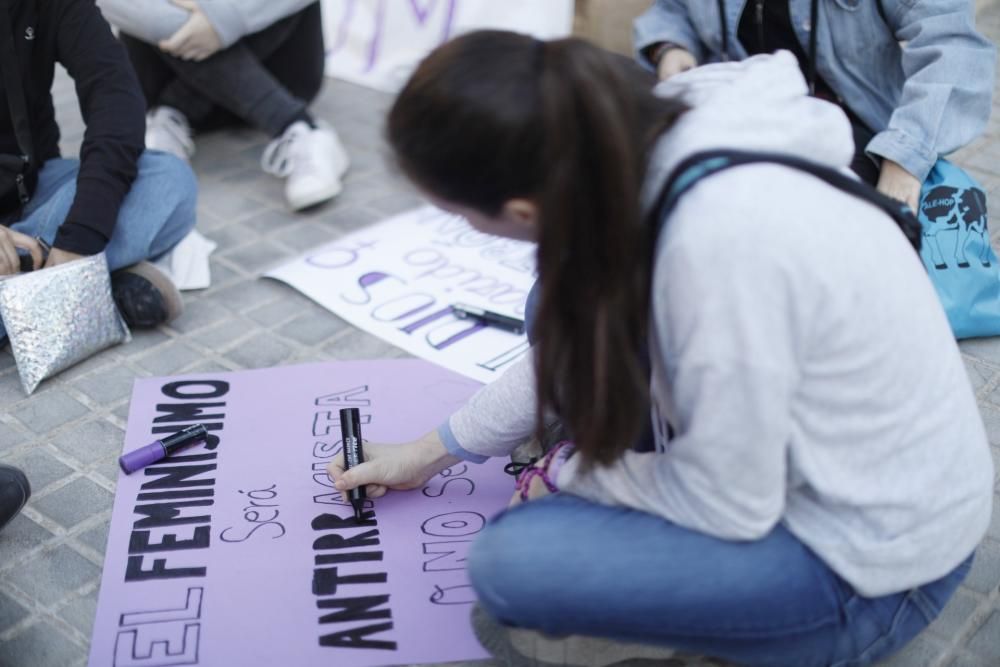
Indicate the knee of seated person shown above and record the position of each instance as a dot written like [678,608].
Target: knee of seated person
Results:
[502,565]
[174,175]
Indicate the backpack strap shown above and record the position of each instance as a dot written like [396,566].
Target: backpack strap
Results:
[702,165]
[15,98]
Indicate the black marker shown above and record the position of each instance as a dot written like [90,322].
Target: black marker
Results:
[511,324]
[350,433]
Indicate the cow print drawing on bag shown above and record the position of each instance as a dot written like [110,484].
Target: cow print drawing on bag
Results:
[945,208]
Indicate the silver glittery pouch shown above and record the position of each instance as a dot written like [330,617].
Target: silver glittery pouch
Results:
[59,316]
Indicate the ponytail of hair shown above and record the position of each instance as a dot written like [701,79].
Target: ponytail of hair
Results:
[593,254]
[493,116]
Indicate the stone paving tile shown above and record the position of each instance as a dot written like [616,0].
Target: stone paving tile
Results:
[351,218]
[96,538]
[11,612]
[6,359]
[145,340]
[41,645]
[74,502]
[260,351]
[169,359]
[197,314]
[48,410]
[357,345]
[11,392]
[923,650]
[313,329]
[41,468]
[20,536]
[80,612]
[220,336]
[955,615]
[277,312]
[239,299]
[9,438]
[222,274]
[984,577]
[979,373]
[982,349]
[91,365]
[994,530]
[303,236]
[965,660]
[108,385]
[51,575]
[985,644]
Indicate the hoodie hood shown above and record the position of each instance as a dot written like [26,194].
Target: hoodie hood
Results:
[758,104]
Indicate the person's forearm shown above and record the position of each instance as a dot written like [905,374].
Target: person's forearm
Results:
[497,419]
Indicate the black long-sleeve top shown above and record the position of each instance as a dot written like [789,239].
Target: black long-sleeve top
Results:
[74,34]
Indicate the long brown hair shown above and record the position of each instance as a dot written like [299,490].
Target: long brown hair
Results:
[493,116]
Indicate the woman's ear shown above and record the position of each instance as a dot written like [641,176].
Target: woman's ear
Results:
[523,213]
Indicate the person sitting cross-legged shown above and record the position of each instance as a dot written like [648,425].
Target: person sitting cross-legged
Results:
[117,199]
[260,62]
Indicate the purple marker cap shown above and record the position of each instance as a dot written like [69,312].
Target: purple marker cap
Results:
[142,457]
[159,449]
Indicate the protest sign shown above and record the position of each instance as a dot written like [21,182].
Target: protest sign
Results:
[398,279]
[240,552]
[378,43]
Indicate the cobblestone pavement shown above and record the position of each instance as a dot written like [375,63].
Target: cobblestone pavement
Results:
[67,436]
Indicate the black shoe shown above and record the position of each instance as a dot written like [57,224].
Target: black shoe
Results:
[14,493]
[145,296]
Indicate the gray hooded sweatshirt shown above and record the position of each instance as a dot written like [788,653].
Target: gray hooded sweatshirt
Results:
[799,351]
[155,20]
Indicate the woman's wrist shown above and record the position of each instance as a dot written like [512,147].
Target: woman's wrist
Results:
[434,456]
[655,52]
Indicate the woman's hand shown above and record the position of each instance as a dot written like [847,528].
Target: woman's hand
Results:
[403,467]
[896,182]
[675,61]
[195,40]
[57,257]
[10,241]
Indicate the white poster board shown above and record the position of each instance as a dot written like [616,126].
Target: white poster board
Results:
[378,43]
[398,279]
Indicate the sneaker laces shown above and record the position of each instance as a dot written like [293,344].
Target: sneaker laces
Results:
[286,152]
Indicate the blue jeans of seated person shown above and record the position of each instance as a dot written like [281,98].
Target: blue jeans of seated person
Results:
[156,214]
[563,565]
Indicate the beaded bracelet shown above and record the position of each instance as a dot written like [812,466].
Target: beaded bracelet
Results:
[547,469]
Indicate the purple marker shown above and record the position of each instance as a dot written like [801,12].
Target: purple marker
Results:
[152,453]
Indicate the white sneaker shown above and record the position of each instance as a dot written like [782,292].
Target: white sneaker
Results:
[312,159]
[168,130]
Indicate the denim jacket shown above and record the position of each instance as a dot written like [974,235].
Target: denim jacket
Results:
[924,88]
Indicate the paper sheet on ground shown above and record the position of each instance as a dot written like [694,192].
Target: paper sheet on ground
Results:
[397,280]
[241,553]
[187,263]
[378,43]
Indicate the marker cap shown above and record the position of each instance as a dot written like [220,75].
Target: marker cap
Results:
[142,457]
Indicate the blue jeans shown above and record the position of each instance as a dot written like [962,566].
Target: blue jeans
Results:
[563,565]
[158,211]
[156,214]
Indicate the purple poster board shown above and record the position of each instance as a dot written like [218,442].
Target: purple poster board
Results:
[240,552]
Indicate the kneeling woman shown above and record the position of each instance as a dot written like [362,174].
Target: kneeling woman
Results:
[820,475]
